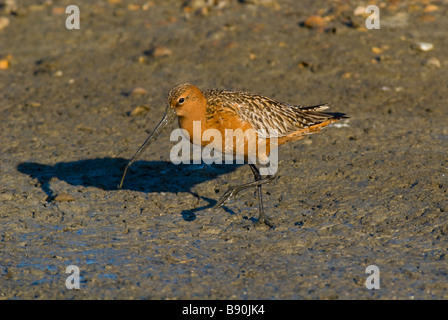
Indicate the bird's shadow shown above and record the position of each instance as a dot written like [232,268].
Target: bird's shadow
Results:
[143,176]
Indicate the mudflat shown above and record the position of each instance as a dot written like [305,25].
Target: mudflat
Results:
[77,103]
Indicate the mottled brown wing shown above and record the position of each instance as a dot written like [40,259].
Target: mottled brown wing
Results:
[267,116]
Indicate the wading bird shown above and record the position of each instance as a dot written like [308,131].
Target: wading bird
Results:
[222,110]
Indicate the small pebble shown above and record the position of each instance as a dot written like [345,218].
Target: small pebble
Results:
[34,104]
[377,50]
[4,22]
[315,22]
[423,46]
[431,8]
[139,110]
[58,10]
[162,51]
[4,64]
[133,7]
[64,197]
[142,59]
[147,6]
[139,91]
[432,63]
[197,4]
[10,6]
[360,11]
[37,7]
[427,17]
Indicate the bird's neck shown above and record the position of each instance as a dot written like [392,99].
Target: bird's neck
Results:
[195,122]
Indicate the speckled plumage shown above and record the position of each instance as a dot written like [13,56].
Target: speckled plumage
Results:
[266,115]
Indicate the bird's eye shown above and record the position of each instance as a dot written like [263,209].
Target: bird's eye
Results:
[181,100]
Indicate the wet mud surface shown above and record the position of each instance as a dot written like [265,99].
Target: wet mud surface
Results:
[370,191]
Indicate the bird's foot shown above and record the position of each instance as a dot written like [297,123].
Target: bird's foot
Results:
[264,220]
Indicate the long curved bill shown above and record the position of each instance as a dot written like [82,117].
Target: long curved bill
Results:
[169,117]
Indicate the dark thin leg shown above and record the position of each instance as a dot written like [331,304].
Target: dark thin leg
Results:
[232,191]
[261,217]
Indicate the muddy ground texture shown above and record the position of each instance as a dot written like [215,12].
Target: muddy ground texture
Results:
[76,104]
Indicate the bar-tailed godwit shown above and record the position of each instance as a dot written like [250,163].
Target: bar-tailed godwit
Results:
[230,110]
